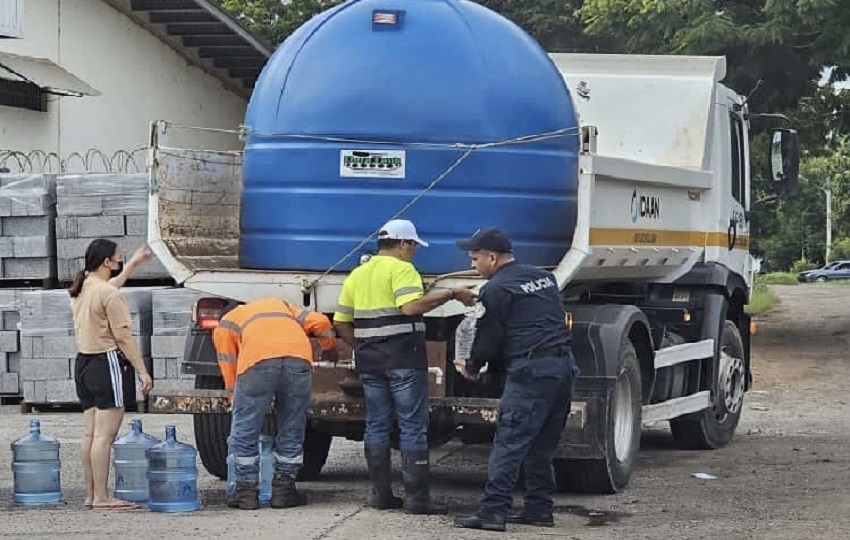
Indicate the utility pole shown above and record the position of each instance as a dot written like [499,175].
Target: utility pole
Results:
[828,192]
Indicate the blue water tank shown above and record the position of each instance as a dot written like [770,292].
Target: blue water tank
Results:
[131,464]
[36,468]
[362,108]
[172,475]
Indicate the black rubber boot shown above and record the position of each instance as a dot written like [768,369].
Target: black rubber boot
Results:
[522,518]
[481,520]
[417,495]
[246,497]
[284,494]
[379,464]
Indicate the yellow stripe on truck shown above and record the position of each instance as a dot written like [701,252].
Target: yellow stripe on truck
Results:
[664,238]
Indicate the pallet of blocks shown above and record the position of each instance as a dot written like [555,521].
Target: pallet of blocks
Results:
[172,320]
[27,230]
[112,206]
[49,349]
[10,356]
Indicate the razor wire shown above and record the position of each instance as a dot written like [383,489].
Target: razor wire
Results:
[92,160]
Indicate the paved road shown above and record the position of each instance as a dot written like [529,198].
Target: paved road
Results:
[784,477]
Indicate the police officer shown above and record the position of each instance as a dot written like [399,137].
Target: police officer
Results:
[379,314]
[521,324]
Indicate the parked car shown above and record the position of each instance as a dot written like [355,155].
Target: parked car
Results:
[829,272]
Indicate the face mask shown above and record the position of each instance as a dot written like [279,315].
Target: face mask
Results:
[116,273]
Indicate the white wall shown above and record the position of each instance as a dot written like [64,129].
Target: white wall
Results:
[140,78]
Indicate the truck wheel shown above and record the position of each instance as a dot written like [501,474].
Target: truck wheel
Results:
[212,431]
[713,428]
[317,445]
[622,438]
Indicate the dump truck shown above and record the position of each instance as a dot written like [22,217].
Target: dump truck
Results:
[655,277]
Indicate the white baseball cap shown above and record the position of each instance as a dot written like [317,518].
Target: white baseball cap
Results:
[400,229]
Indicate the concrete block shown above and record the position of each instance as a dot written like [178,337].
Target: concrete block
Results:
[136,225]
[100,226]
[9,341]
[167,346]
[5,206]
[27,226]
[7,247]
[61,392]
[11,319]
[9,383]
[34,391]
[33,246]
[30,205]
[79,206]
[66,227]
[13,361]
[30,268]
[45,369]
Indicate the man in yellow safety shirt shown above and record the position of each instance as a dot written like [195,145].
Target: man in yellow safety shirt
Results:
[264,352]
[379,314]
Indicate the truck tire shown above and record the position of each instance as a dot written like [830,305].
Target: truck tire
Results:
[212,431]
[714,428]
[317,445]
[622,438]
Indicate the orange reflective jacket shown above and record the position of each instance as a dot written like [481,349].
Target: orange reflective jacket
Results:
[267,328]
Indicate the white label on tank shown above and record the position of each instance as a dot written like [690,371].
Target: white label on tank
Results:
[371,163]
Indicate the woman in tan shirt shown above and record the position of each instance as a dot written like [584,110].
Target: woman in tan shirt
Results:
[106,356]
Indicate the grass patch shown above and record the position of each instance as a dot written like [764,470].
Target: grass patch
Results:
[762,300]
[777,278]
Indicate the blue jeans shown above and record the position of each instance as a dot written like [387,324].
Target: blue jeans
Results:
[404,391]
[289,382]
[533,410]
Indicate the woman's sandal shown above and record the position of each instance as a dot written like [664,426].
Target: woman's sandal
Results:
[118,505]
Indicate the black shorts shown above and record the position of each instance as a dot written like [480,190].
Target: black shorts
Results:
[106,381]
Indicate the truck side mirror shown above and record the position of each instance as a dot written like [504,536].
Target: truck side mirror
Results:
[783,161]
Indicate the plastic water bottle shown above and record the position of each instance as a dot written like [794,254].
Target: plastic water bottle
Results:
[36,468]
[266,468]
[131,464]
[266,475]
[172,475]
[464,336]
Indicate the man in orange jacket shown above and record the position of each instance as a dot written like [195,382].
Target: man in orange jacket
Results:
[264,352]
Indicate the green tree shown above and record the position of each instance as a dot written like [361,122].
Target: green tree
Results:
[274,20]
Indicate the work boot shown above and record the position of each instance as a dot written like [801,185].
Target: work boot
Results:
[246,497]
[417,496]
[284,494]
[522,518]
[378,462]
[481,520]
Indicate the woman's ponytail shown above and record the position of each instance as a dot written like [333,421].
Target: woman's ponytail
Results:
[77,285]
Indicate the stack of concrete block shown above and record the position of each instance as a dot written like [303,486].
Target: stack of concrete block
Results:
[48,346]
[27,237]
[113,206]
[172,319]
[10,356]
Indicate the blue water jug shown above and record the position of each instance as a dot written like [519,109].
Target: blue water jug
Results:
[131,464]
[172,475]
[36,468]
[266,470]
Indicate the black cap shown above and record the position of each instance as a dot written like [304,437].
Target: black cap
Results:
[492,239]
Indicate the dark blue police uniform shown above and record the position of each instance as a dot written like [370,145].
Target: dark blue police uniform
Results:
[521,325]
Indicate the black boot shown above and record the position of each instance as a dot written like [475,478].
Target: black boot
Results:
[246,497]
[417,496]
[284,494]
[481,520]
[531,519]
[378,462]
